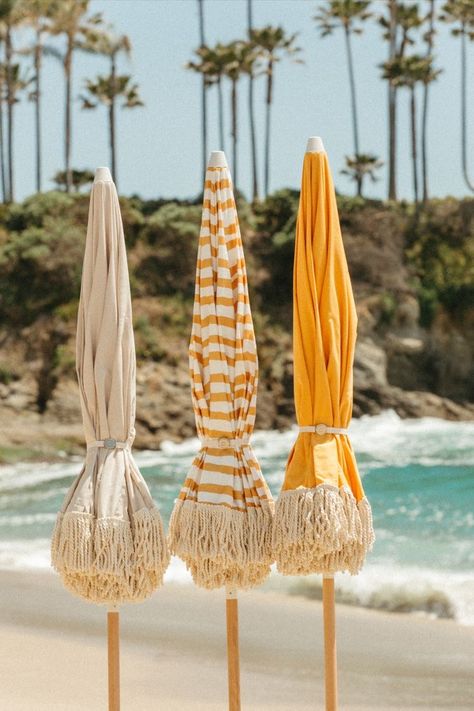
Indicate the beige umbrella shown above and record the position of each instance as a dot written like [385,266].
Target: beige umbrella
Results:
[108,544]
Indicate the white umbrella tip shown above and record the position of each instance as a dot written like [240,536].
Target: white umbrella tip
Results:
[217,159]
[103,174]
[315,145]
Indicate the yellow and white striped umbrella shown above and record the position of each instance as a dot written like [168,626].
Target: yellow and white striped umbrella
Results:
[222,521]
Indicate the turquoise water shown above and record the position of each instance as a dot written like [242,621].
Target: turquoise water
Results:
[418,475]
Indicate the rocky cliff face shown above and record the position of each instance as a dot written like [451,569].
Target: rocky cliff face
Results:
[417,366]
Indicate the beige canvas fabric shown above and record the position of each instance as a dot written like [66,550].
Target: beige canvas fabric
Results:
[108,544]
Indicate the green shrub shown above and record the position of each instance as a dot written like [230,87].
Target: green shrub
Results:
[40,269]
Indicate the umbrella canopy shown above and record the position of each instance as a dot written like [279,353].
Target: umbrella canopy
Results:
[323,521]
[222,521]
[108,544]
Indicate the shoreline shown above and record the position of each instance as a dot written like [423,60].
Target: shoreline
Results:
[173,652]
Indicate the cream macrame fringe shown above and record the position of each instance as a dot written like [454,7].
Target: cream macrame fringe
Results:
[110,560]
[221,546]
[321,530]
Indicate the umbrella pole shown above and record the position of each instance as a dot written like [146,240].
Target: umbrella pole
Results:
[233,661]
[330,658]
[113,639]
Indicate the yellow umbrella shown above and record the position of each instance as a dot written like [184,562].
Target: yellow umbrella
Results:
[323,521]
[221,525]
[108,544]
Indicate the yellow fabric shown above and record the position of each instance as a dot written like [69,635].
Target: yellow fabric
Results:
[324,335]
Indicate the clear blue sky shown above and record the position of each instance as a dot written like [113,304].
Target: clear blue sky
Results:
[159,148]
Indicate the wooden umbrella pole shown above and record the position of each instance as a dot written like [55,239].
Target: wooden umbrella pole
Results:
[330,659]
[113,640]
[233,660]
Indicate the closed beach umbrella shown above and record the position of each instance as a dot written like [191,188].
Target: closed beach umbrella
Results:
[108,544]
[323,521]
[221,524]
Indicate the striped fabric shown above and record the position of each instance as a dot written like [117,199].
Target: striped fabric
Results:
[221,525]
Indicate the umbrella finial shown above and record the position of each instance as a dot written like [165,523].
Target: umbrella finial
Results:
[103,174]
[217,159]
[315,145]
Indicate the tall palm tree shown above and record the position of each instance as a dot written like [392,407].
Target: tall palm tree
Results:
[272,44]
[348,14]
[233,58]
[11,14]
[211,66]
[202,43]
[36,14]
[408,72]
[429,40]
[253,137]
[107,90]
[70,19]
[398,26]
[461,12]
[361,166]
[17,81]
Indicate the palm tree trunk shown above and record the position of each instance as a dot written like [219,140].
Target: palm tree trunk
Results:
[113,154]
[465,172]
[38,109]
[10,101]
[2,149]
[221,113]
[234,131]
[414,141]
[424,117]
[355,123]
[203,92]
[267,125]
[392,109]
[68,126]
[253,139]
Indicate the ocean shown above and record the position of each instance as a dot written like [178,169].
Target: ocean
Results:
[417,474]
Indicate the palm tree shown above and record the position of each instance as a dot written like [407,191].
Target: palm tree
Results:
[253,138]
[202,43]
[272,44]
[80,178]
[233,58]
[211,66]
[397,30]
[70,19]
[408,71]
[461,12]
[109,89]
[429,39]
[36,13]
[17,81]
[2,142]
[11,14]
[347,14]
[361,166]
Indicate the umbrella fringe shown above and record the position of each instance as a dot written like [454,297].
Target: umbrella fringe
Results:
[221,546]
[321,530]
[110,560]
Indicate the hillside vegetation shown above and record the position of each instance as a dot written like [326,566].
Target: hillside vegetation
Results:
[413,279]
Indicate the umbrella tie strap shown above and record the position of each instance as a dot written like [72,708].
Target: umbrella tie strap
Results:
[224,442]
[109,443]
[324,429]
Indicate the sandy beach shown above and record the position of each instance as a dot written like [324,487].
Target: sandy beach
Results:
[53,653]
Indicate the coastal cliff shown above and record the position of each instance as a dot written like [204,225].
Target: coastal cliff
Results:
[413,279]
